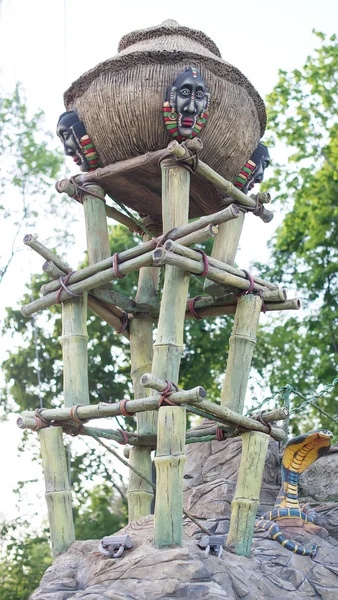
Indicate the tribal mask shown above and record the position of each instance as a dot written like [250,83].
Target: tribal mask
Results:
[76,142]
[253,170]
[186,105]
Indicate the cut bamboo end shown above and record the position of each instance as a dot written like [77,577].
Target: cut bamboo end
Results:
[155,383]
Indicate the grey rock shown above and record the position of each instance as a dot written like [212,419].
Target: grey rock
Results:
[149,573]
[319,481]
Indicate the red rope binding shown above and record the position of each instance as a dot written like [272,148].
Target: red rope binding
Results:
[124,435]
[74,416]
[63,281]
[192,309]
[219,434]
[205,262]
[116,270]
[251,286]
[122,407]
[124,323]
[166,392]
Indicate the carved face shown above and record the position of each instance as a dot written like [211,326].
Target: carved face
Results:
[253,170]
[76,142]
[186,105]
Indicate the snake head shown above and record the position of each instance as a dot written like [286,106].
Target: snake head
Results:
[300,452]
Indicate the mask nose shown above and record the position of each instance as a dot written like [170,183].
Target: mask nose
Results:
[191,106]
[68,151]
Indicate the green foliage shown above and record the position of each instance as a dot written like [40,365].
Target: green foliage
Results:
[28,166]
[303,113]
[23,560]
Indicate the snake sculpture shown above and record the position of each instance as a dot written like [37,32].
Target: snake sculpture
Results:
[300,452]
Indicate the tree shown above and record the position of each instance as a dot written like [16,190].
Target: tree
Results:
[303,113]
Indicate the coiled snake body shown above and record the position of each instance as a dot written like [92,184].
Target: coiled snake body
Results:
[300,452]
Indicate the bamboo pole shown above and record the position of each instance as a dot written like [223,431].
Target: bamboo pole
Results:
[225,249]
[95,281]
[163,257]
[66,187]
[168,349]
[222,184]
[177,248]
[246,500]
[74,312]
[58,494]
[103,409]
[242,342]
[169,461]
[229,213]
[230,309]
[74,351]
[219,412]
[110,313]
[140,494]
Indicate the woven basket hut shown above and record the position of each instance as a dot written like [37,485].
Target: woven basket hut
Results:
[120,102]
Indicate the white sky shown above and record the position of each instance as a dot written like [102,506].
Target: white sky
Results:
[48,44]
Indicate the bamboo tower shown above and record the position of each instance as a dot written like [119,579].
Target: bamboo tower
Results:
[160,182]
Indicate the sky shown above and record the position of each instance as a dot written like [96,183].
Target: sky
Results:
[46,45]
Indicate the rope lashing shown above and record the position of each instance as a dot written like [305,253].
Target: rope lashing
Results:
[116,270]
[256,210]
[122,407]
[251,285]
[190,158]
[219,434]
[192,309]
[124,323]
[80,190]
[74,416]
[260,418]
[125,437]
[40,421]
[166,392]
[163,238]
[63,281]
[205,262]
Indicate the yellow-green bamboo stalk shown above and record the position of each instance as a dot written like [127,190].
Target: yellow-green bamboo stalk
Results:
[96,225]
[140,494]
[242,342]
[168,349]
[225,249]
[74,351]
[169,461]
[246,500]
[58,494]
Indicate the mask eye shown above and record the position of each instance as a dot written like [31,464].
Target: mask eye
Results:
[65,135]
[199,94]
[185,92]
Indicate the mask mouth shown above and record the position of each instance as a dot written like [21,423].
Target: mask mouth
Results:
[187,122]
[77,160]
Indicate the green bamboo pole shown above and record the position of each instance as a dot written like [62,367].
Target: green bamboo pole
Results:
[96,224]
[58,494]
[169,461]
[74,351]
[168,349]
[242,342]
[225,249]
[246,500]
[140,494]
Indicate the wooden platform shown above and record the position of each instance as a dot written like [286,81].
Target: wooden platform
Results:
[137,183]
